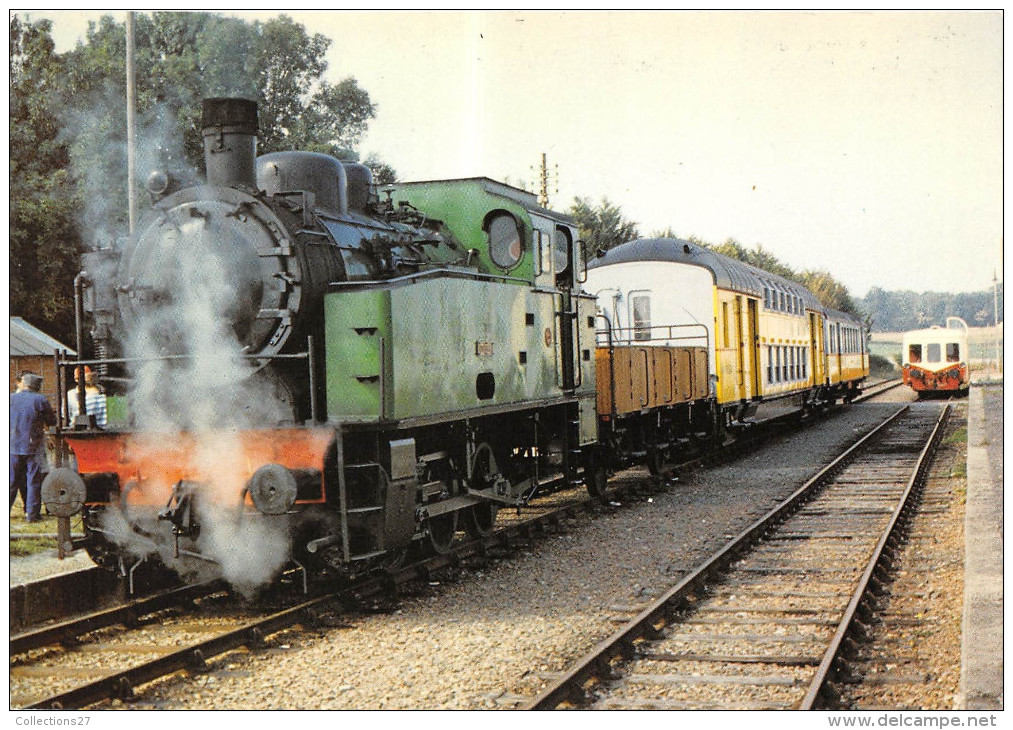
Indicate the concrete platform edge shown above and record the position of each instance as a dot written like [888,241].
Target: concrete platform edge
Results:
[981,671]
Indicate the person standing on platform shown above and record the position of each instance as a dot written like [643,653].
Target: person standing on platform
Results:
[30,415]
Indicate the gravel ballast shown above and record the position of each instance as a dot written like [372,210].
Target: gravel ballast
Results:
[497,634]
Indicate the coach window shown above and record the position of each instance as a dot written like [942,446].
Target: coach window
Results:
[914,353]
[952,352]
[641,318]
[777,367]
[766,297]
[933,352]
[727,338]
[770,364]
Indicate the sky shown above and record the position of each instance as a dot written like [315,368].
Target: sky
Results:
[867,144]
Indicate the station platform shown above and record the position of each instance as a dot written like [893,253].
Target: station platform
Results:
[981,673]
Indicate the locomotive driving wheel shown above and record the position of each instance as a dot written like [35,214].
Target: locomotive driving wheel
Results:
[441,532]
[480,519]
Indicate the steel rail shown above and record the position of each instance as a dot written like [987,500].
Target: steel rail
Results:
[569,687]
[125,614]
[121,683]
[823,671]
[881,387]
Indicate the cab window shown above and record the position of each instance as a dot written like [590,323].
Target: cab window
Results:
[562,249]
[934,352]
[505,246]
[914,353]
[952,352]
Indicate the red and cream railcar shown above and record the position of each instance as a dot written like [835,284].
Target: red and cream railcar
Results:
[936,359]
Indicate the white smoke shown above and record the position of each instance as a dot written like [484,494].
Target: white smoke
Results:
[250,552]
[95,133]
[207,391]
[207,394]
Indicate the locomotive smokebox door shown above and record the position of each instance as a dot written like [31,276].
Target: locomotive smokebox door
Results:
[399,522]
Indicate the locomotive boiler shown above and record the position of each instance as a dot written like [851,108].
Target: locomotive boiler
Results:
[300,372]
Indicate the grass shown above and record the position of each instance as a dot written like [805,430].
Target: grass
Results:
[44,529]
[957,436]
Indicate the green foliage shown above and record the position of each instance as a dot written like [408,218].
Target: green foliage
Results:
[900,311]
[959,436]
[68,128]
[881,367]
[43,239]
[383,174]
[828,290]
[182,58]
[758,257]
[602,227]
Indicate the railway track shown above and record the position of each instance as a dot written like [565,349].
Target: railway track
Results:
[182,629]
[878,389]
[762,624]
[56,657]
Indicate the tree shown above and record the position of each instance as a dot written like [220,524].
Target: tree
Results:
[758,257]
[383,174]
[68,127]
[900,311]
[43,237]
[184,57]
[602,227]
[828,290]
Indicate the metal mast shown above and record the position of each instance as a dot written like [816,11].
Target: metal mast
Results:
[131,128]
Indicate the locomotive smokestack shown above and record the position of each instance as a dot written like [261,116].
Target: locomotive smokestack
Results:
[230,141]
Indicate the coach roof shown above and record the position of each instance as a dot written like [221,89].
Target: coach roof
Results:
[728,273]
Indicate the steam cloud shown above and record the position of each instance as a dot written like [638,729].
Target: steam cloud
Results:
[209,393]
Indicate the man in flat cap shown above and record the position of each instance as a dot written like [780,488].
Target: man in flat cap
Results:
[30,414]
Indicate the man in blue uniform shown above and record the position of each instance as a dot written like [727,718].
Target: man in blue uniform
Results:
[30,414]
